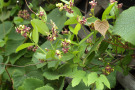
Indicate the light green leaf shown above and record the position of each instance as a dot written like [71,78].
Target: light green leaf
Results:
[35,35]
[40,25]
[77,28]
[92,77]
[107,11]
[2,43]
[46,87]
[104,80]
[124,25]
[72,20]
[99,85]
[25,45]
[77,77]
[71,28]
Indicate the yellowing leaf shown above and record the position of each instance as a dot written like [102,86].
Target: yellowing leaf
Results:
[101,26]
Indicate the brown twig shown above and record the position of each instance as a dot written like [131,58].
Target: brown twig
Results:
[86,7]
[120,46]
[9,76]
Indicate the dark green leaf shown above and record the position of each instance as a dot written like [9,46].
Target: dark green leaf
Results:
[58,17]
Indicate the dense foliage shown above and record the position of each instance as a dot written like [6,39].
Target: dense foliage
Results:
[40,48]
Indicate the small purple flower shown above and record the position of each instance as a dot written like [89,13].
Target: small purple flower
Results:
[65,50]
[93,4]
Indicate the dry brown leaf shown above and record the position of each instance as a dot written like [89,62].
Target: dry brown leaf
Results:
[101,26]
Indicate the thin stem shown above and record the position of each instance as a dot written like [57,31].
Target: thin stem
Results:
[9,76]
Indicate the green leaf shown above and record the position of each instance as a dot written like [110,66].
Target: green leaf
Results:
[15,56]
[71,29]
[2,67]
[99,85]
[91,20]
[45,15]
[18,20]
[4,15]
[92,77]
[103,47]
[2,43]
[124,25]
[51,75]
[58,17]
[77,28]
[35,35]
[46,87]
[85,38]
[77,77]
[36,58]
[11,46]
[104,80]
[112,79]
[32,84]
[18,78]
[107,11]
[13,35]
[80,86]
[5,28]
[40,26]
[67,56]
[94,48]
[25,45]
[72,20]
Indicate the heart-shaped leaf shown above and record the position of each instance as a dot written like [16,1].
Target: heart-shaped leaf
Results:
[101,26]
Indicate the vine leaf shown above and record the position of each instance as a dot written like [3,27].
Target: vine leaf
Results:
[125,25]
[78,76]
[92,77]
[101,26]
[104,80]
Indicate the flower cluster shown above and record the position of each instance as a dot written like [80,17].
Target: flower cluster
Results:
[108,70]
[40,14]
[65,45]
[112,1]
[58,53]
[24,30]
[93,4]
[120,5]
[52,36]
[81,20]
[66,7]
[65,32]
[24,14]
[32,48]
